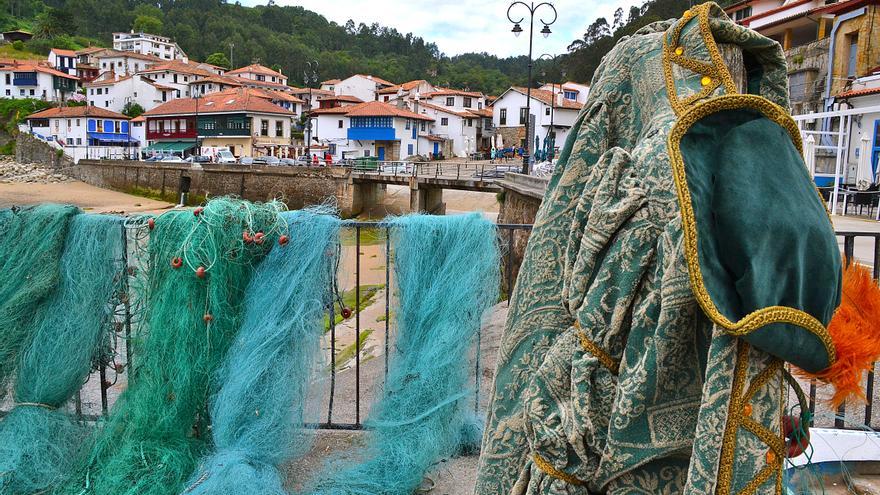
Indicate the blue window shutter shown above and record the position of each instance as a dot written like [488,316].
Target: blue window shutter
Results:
[124,127]
[92,126]
[409,149]
[108,126]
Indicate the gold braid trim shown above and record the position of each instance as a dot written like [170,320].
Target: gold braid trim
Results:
[734,416]
[716,70]
[764,316]
[548,468]
[591,347]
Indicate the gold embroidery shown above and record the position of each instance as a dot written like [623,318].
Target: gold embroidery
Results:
[763,316]
[548,468]
[714,73]
[588,345]
[734,416]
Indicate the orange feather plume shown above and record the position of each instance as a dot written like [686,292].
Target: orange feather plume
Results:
[855,332]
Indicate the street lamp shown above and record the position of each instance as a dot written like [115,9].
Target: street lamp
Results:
[517,29]
[310,76]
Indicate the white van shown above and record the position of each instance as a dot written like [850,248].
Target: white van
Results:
[226,156]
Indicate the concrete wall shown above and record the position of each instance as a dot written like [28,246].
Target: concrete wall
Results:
[296,186]
[520,200]
[29,149]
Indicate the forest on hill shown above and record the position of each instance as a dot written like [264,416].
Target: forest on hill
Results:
[286,37]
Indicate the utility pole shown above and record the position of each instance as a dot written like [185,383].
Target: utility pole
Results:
[310,75]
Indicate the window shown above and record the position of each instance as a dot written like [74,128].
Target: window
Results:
[423,126]
[106,104]
[175,78]
[523,115]
[21,92]
[853,50]
[8,93]
[467,101]
[444,121]
[502,117]
[7,78]
[78,141]
[470,122]
[366,153]
[68,123]
[279,128]
[479,105]
[742,14]
[135,94]
[77,122]
[372,122]
[32,92]
[386,98]
[409,149]
[450,101]
[570,95]
[117,127]
[264,127]
[408,124]
[547,111]
[340,124]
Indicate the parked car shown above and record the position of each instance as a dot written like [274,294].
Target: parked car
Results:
[395,168]
[266,160]
[288,161]
[225,156]
[246,160]
[156,158]
[198,159]
[172,159]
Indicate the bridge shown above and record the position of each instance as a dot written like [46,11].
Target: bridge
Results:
[354,189]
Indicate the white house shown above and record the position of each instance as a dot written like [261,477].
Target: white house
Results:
[260,76]
[509,116]
[85,132]
[459,127]
[148,44]
[29,79]
[407,90]
[571,91]
[213,84]
[362,86]
[122,62]
[178,75]
[63,60]
[139,129]
[864,94]
[372,129]
[330,85]
[112,92]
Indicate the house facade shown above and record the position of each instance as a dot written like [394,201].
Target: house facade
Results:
[114,92]
[553,115]
[148,44]
[240,119]
[122,62]
[365,87]
[571,91]
[261,77]
[63,61]
[372,129]
[85,132]
[28,79]
[407,90]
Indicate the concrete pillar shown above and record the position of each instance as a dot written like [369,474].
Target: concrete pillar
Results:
[823,28]
[423,199]
[786,39]
[364,196]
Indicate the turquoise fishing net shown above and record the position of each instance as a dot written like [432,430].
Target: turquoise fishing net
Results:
[257,415]
[31,240]
[157,430]
[38,438]
[446,269]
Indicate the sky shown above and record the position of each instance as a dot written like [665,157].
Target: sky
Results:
[470,25]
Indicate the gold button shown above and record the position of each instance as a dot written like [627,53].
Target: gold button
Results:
[706,80]
[747,410]
[687,13]
[679,51]
[771,457]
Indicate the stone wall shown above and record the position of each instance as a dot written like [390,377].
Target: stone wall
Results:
[296,186]
[807,72]
[511,136]
[29,149]
[519,202]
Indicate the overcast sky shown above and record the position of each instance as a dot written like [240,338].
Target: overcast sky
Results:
[468,25]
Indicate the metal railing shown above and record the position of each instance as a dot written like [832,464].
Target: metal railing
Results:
[855,245]
[484,170]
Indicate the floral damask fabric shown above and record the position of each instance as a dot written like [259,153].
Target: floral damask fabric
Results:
[610,377]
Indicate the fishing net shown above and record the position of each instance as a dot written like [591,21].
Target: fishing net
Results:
[38,441]
[200,264]
[257,416]
[447,274]
[31,240]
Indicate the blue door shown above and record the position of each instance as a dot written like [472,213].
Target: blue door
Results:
[380,152]
[436,148]
[875,150]
[414,131]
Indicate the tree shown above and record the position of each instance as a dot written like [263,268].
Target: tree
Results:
[147,24]
[219,59]
[132,109]
[52,23]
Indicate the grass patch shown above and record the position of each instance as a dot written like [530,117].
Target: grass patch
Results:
[369,236]
[346,354]
[9,51]
[368,294]
[382,318]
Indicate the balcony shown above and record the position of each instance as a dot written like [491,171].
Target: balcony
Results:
[371,133]
[24,79]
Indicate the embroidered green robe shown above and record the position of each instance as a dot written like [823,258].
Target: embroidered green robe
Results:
[624,367]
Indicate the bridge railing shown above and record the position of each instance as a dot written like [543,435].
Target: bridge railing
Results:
[484,170]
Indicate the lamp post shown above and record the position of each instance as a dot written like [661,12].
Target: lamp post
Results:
[517,29]
[310,76]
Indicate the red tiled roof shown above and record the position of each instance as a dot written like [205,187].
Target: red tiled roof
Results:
[139,118]
[81,111]
[230,100]
[180,67]
[546,97]
[109,52]
[261,84]
[63,52]
[373,109]
[256,69]
[407,86]
[315,92]
[89,49]
[276,95]
[846,6]
[859,92]
[111,80]
[331,81]
[229,81]
[452,92]
[30,65]
[450,111]
[345,98]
